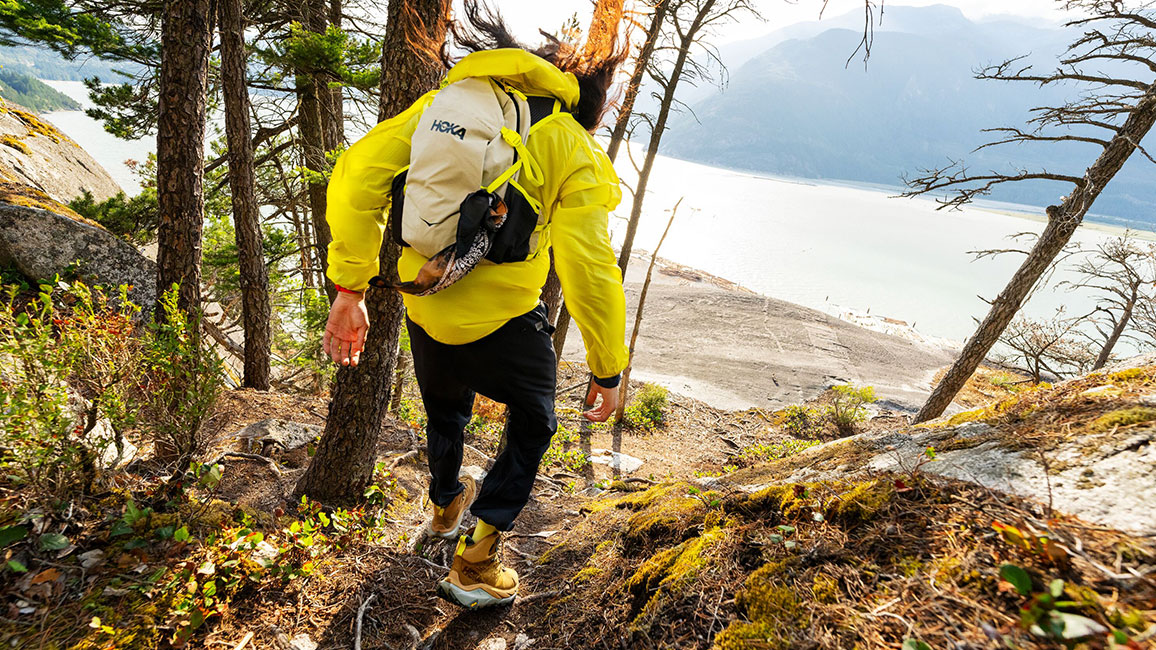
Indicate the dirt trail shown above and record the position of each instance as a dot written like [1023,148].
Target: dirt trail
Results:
[735,349]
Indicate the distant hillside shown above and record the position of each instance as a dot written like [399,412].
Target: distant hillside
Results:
[798,109]
[45,64]
[32,93]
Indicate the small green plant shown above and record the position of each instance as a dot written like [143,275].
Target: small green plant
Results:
[557,455]
[776,450]
[1046,614]
[647,410]
[802,421]
[846,409]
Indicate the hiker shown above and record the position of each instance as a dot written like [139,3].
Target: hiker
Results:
[474,262]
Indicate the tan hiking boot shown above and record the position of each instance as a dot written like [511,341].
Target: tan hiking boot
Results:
[477,577]
[447,521]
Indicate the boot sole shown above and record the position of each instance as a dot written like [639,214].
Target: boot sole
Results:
[453,534]
[475,599]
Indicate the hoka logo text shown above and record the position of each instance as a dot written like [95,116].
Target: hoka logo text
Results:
[444,126]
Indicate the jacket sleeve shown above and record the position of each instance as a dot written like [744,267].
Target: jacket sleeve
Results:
[358,197]
[585,261]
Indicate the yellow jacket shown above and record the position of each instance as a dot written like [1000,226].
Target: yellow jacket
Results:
[578,191]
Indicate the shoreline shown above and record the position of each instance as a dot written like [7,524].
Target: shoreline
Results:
[734,349]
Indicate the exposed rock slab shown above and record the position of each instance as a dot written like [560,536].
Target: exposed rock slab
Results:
[36,153]
[41,243]
[1104,474]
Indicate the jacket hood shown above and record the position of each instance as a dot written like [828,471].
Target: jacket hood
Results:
[529,73]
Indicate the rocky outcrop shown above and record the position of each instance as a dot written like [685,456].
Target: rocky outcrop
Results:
[41,238]
[35,153]
[1086,447]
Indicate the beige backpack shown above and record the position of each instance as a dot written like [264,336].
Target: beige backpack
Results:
[460,200]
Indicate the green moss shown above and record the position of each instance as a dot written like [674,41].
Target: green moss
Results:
[825,589]
[1123,418]
[36,126]
[670,574]
[1131,375]
[30,197]
[772,608]
[861,502]
[670,515]
[587,573]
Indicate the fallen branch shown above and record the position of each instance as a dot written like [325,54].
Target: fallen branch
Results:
[536,597]
[402,458]
[273,465]
[360,615]
[244,641]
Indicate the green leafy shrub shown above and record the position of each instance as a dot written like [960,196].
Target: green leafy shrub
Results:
[647,410]
[802,421]
[133,218]
[181,385]
[776,450]
[846,409]
[43,442]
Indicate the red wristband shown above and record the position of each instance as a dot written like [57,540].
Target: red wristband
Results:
[344,290]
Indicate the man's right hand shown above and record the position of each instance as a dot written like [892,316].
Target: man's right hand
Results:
[344,336]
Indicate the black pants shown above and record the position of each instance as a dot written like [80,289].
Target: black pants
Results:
[515,366]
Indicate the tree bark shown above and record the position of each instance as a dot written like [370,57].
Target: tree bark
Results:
[343,465]
[624,387]
[561,329]
[186,29]
[1114,337]
[640,63]
[255,306]
[1062,224]
[552,292]
[656,134]
[311,95]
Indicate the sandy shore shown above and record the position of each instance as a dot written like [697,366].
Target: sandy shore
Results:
[734,349]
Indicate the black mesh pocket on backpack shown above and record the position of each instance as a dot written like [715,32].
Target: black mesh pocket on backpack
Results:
[512,243]
[396,205]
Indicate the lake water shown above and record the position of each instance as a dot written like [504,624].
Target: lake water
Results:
[831,247]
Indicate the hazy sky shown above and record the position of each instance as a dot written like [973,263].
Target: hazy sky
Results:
[526,16]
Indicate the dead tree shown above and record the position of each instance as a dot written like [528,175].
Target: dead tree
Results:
[255,305]
[630,92]
[186,31]
[624,389]
[1114,114]
[1123,275]
[1051,345]
[343,465]
[683,47]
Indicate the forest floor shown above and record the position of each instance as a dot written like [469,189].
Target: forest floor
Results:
[681,552]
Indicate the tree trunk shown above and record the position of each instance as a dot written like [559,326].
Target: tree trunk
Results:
[1062,224]
[310,107]
[343,465]
[186,30]
[561,329]
[552,292]
[656,134]
[334,116]
[255,305]
[624,387]
[1117,332]
[635,82]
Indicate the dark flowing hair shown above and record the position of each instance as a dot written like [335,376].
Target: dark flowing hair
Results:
[482,28]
